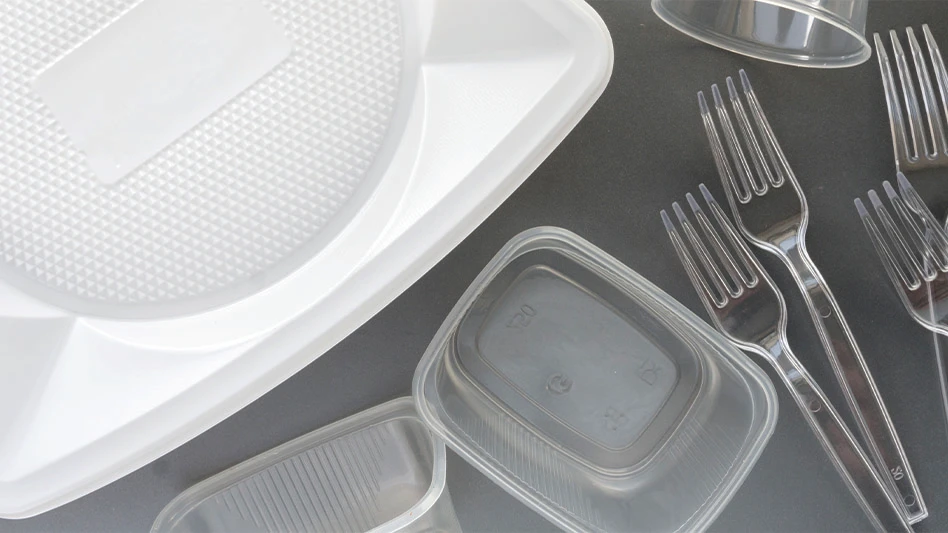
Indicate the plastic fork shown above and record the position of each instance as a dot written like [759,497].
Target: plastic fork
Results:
[771,211]
[914,252]
[933,144]
[925,144]
[746,307]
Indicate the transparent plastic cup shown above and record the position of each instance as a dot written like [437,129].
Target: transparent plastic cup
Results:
[380,471]
[814,33]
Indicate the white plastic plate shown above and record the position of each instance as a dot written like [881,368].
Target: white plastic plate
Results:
[198,198]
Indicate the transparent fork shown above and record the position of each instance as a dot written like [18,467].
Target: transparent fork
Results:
[921,143]
[914,252]
[918,132]
[746,307]
[771,211]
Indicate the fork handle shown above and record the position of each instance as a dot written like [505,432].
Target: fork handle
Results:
[941,353]
[862,395]
[840,445]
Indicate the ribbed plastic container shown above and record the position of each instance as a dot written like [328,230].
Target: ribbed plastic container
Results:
[380,471]
[591,395]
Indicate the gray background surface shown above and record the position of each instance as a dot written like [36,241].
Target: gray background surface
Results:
[640,148]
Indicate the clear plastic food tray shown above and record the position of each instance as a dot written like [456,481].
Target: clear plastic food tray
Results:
[380,470]
[590,394]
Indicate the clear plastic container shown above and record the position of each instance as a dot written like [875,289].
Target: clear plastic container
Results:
[805,33]
[380,471]
[591,395]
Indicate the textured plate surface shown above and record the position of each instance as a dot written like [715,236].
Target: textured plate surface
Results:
[227,208]
[128,327]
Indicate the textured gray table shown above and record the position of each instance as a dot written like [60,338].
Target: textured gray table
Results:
[639,149]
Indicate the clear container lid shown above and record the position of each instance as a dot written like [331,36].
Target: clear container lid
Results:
[591,395]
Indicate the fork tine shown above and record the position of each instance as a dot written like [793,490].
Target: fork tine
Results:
[712,270]
[749,274]
[921,245]
[939,238]
[932,111]
[750,138]
[731,182]
[896,120]
[698,279]
[894,269]
[778,159]
[736,278]
[919,143]
[734,145]
[903,261]
[941,74]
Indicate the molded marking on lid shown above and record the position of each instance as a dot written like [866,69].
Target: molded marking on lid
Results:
[576,357]
[155,73]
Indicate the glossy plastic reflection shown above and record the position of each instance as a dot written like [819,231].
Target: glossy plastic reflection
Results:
[815,33]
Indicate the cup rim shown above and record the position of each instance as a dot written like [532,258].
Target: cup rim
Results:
[748,48]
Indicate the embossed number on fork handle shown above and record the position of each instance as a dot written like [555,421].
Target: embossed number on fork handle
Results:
[865,483]
[857,384]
